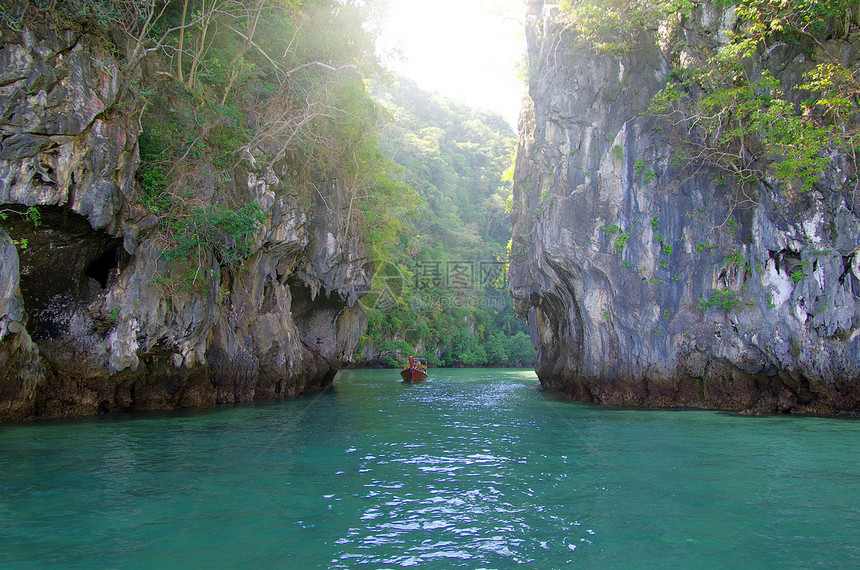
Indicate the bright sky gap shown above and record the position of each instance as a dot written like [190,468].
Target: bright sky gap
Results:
[469,50]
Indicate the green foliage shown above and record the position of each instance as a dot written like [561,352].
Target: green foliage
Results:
[497,349]
[446,201]
[228,233]
[521,350]
[725,299]
[34,216]
[10,18]
[152,174]
[386,204]
[737,258]
[798,276]
[455,158]
[89,15]
[732,225]
[184,278]
[618,151]
[467,349]
[614,26]
[31,215]
[392,353]
[462,347]
[751,127]
[621,240]
[614,228]
[647,176]
[247,87]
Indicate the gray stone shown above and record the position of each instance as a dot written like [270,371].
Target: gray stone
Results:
[87,324]
[614,303]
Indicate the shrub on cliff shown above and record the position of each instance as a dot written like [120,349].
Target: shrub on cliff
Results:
[734,113]
[222,88]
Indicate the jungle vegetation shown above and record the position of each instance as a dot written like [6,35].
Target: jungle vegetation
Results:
[220,89]
[440,289]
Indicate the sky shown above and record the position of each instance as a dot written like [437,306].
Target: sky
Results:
[468,50]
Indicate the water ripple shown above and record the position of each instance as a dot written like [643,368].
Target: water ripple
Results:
[474,469]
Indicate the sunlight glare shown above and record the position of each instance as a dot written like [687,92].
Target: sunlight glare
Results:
[463,49]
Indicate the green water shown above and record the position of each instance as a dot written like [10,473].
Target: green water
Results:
[471,469]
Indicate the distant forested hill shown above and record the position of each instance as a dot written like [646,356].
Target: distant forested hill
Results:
[439,288]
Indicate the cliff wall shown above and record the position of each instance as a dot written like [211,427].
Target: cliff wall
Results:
[88,321]
[649,285]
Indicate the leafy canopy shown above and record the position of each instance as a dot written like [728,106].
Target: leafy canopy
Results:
[448,204]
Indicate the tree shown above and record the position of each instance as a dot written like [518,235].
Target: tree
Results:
[497,350]
[446,160]
[522,351]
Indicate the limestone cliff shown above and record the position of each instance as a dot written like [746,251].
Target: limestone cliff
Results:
[644,285]
[87,324]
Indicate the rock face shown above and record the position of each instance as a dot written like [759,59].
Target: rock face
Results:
[642,284]
[87,324]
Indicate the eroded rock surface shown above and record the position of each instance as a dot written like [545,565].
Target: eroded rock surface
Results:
[615,251]
[87,323]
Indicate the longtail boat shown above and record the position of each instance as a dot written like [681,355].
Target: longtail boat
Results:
[415,370]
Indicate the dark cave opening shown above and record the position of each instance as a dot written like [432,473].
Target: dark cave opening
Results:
[100,268]
[66,265]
